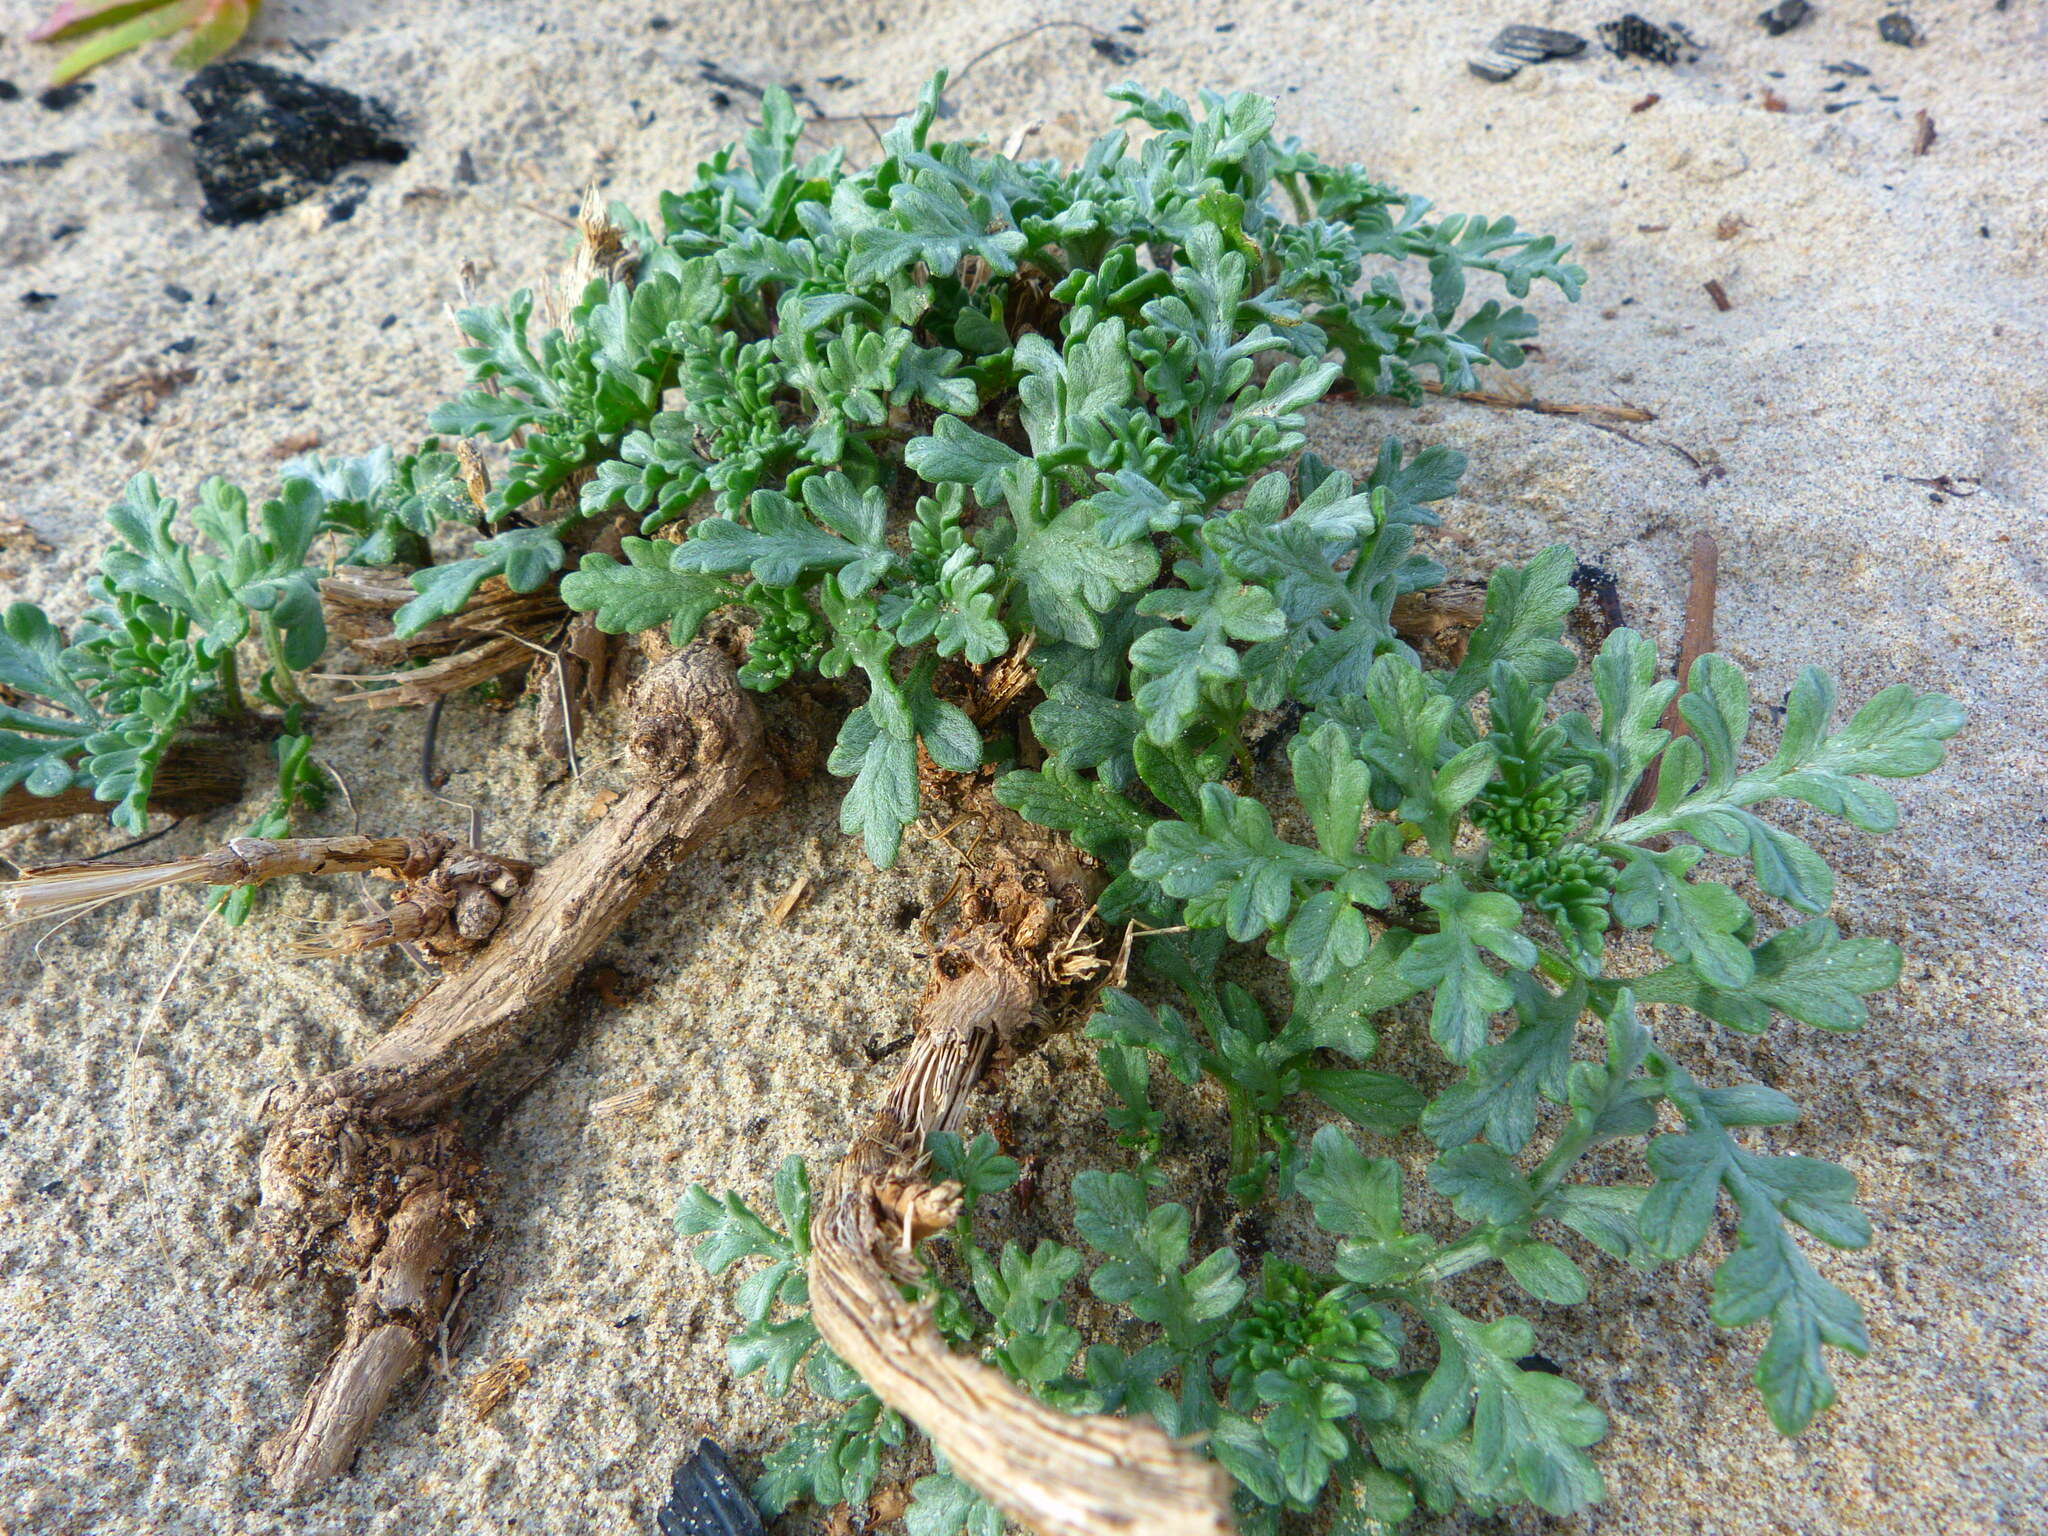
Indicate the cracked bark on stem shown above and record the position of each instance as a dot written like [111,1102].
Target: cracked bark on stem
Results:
[357,1173]
[1059,1474]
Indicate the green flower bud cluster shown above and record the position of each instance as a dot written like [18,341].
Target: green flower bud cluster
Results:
[1534,822]
[1303,1323]
[787,636]
[1571,885]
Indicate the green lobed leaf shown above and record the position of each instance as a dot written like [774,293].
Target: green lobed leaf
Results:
[1468,992]
[645,592]
[1767,1277]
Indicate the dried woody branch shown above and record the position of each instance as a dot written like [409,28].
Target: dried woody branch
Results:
[365,1173]
[495,633]
[57,890]
[1059,1474]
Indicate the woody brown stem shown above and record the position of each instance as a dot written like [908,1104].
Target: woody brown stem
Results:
[1056,1473]
[363,1172]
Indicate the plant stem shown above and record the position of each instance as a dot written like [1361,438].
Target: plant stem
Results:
[1291,185]
[231,684]
[1468,1251]
[1244,1130]
[273,641]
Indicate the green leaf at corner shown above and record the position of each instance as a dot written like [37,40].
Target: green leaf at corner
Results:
[1524,623]
[1069,575]
[1809,973]
[1352,1195]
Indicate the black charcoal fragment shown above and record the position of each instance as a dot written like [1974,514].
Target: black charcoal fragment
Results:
[1898,29]
[267,139]
[1632,37]
[1783,17]
[706,1499]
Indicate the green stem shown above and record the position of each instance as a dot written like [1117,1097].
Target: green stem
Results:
[1556,966]
[1468,1251]
[231,685]
[1245,765]
[1291,185]
[273,641]
[1244,1130]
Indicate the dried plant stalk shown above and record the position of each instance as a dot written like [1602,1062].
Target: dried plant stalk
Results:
[1058,1474]
[360,600]
[1703,585]
[451,674]
[55,890]
[355,1162]
[408,1283]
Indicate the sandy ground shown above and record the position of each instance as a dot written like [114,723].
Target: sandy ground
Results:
[1889,320]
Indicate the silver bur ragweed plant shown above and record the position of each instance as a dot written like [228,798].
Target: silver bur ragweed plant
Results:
[957,411]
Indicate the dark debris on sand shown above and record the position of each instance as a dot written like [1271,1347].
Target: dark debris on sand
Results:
[267,139]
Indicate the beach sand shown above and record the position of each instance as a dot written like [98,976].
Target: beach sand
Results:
[1887,326]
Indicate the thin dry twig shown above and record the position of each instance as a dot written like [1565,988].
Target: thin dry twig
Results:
[636,1100]
[56,889]
[1502,402]
[957,76]
[789,901]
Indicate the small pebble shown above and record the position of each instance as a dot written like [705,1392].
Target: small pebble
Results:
[1898,29]
[58,97]
[1513,47]
[1633,37]
[1532,45]
[1783,17]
